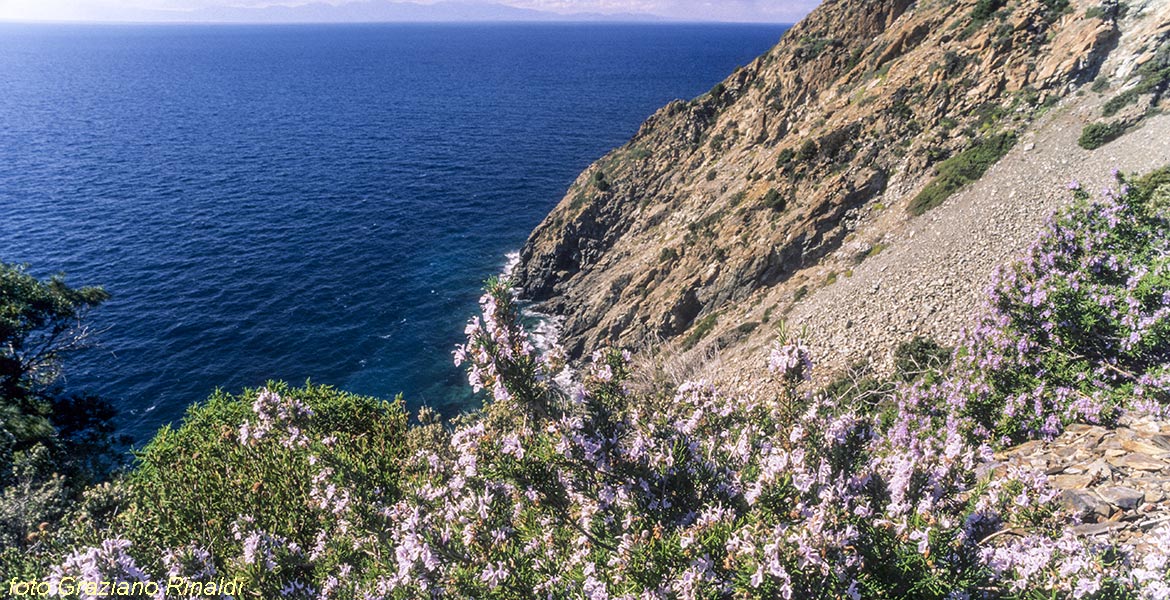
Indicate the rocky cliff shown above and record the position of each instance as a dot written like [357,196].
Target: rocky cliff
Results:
[737,208]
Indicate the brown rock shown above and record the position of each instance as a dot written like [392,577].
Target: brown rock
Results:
[1142,447]
[1122,497]
[1092,529]
[1070,482]
[1141,462]
[1085,503]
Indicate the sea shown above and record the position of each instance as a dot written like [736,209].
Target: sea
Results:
[313,202]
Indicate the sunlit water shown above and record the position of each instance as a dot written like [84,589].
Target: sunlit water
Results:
[304,202]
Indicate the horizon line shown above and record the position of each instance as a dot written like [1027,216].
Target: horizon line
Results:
[649,20]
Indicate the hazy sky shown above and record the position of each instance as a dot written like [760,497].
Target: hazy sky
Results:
[694,10]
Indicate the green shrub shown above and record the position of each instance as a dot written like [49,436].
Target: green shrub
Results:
[808,151]
[774,201]
[985,8]
[800,293]
[920,356]
[299,465]
[712,174]
[600,181]
[700,330]
[667,255]
[961,169]
[1054,9]
[785,157]
[1096,135]
[875,250]
[1118,102]
[748,327]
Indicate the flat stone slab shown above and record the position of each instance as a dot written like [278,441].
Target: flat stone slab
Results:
[1125,498]
[1140,462]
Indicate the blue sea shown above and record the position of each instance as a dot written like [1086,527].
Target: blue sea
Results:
[308,202]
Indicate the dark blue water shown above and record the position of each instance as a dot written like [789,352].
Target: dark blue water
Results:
[303,202]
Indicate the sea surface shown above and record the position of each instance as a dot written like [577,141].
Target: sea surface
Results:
[308,202]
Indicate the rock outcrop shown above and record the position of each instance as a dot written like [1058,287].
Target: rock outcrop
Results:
[730,211]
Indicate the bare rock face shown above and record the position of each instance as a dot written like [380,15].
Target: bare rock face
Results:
[722,208]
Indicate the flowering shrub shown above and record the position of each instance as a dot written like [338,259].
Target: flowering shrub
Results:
[1080,325]
[280,487]
[593,491]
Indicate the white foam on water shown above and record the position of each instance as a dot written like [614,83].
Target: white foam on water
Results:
[544,329]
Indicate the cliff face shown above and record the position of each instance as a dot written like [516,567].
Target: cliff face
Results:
[727,202]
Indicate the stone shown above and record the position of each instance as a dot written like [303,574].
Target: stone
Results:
[1100,470]
[1122,497]
[1091,529]
[1161,441]
[1085,503]
[1141,462]
[1142,447]
[1070,482]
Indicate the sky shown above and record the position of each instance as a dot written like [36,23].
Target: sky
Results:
[776,11]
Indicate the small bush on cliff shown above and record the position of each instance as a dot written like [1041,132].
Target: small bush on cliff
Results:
[774,201]
[808,151]
[985,8]
[956,172]
[1096,135]
[600,182]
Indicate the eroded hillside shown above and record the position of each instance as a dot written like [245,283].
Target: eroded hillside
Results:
[726,213]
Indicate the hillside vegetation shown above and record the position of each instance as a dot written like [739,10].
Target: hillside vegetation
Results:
[689,491]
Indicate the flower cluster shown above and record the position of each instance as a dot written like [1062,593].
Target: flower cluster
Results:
[92,572]
[276,415]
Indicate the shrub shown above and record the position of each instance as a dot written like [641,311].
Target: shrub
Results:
[920,356]
[268,476]
[871,490]
[1096,135]
[808,151]
[700,330]
[712,174]
[1054,9]
[774,201]
[1118,102]
[985,8]
[784,158]
[1079,328]
[600,181]
[52,443]
[956,172]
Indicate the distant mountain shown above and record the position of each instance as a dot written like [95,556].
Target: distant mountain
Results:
[377,11]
